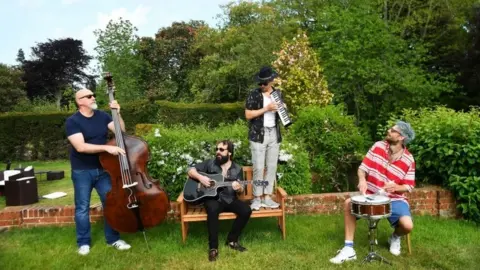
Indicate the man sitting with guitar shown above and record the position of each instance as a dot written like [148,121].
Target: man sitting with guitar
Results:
[226,200]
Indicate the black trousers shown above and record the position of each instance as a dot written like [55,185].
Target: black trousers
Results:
[214,208]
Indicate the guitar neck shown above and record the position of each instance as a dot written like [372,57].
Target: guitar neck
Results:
[229,183]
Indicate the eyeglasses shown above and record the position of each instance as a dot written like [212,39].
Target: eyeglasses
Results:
[263,83]
[88,96]
[394,130]
[220,149]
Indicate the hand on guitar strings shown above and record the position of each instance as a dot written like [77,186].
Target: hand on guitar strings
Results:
[204,180]
[236,185]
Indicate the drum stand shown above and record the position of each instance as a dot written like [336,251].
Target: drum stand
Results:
[372,235]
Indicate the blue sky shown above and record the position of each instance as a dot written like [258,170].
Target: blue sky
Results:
[23,23]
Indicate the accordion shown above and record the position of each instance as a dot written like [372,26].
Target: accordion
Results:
[282,111]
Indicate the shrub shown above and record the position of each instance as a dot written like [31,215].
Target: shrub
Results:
[209,114]
[335,146]
[446,150]
[175,149]
[40,133]
[28,136]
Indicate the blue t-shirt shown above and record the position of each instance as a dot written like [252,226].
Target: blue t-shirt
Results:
[94,130]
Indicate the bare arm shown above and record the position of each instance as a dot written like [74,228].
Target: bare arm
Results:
[362,181]
[111,125]
[362,175]
[115,106]
[250,114]
[192,173]
[78,141]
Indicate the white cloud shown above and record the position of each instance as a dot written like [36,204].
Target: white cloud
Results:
[69,2]
[137,17]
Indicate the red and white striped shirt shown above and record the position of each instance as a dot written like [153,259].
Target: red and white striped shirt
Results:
[380,171]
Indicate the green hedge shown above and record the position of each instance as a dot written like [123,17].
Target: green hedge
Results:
[209,114]
[174,149]
[28,136]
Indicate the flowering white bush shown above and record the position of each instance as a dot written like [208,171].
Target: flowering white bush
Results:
[178,149]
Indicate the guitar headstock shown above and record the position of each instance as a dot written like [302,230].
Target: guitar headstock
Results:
[262,183]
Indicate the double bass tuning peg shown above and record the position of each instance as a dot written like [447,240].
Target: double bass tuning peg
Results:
[107,76]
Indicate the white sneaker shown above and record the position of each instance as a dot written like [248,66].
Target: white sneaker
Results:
[256,204]
[121,245]
[84,250]
[268,202]
[344,255]
[394,245]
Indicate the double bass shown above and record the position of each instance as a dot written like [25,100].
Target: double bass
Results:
[136,201]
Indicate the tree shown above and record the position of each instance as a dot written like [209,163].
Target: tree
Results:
[20,56]
[300,75]
[469,67]
[11,88]
[249,34]
[371,69]
[117,49]
[54,66]
[170,57]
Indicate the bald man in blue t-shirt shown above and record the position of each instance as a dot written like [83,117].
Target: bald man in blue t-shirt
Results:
[87,131]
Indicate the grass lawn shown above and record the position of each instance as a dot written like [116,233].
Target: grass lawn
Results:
[45,187]
[311,241]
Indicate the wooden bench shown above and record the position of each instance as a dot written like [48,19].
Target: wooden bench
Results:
[194,213]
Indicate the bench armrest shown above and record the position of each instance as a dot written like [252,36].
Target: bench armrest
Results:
[281,193]
[180,198]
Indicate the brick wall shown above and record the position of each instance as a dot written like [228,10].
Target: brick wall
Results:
[424,201]
[432,201]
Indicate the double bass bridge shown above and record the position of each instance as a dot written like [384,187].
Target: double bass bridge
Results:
[132,205]
[130,185]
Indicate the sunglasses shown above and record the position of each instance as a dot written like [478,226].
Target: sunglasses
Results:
[88,96]
[394,130]
[263,83]
[220,149]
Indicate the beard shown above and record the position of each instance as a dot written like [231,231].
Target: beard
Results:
[391,140]
[220,160]
[93,106]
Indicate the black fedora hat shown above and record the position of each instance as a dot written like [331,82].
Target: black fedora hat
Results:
[265,74]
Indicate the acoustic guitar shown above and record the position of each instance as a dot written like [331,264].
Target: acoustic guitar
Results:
[194,191]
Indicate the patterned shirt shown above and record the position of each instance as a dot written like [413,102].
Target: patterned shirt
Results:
[256,129]
[380,171]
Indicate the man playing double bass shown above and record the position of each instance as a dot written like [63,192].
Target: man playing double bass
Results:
[87,131]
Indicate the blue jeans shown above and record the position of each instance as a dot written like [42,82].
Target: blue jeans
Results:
[83,183]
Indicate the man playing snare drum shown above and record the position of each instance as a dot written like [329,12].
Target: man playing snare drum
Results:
[387,169]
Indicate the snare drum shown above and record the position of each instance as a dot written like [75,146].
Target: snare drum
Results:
[371,206]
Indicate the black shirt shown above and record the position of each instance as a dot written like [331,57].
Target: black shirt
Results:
[226,194]
[256,129]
